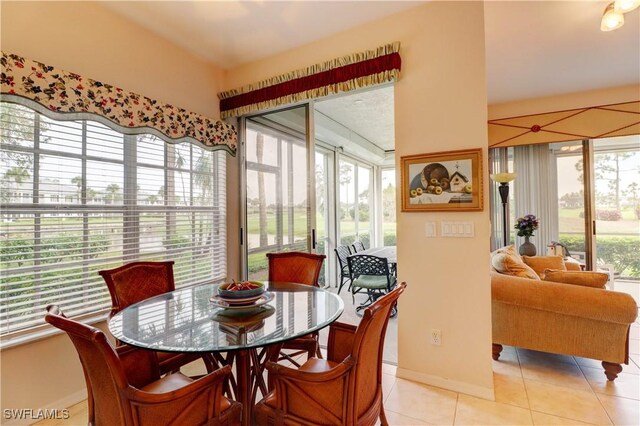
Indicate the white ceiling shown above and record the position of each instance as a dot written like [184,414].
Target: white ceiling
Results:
[542,48]
[368,113]
[229,33]
[533,48]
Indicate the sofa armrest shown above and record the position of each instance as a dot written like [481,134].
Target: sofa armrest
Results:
[572,300]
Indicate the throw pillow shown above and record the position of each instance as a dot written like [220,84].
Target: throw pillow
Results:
[584,278]
[540,263]
[509,264]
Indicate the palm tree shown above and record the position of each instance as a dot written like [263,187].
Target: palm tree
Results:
[113,193]
[15,175]
[152,199]
[77,181]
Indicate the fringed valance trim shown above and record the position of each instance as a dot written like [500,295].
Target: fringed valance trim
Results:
[343,74]
[63,95]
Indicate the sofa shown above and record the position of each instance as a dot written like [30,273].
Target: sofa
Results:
[580,319]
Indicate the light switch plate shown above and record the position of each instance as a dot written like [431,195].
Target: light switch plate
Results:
[457,229]
[430,229]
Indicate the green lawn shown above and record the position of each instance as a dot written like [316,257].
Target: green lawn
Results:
[570,221]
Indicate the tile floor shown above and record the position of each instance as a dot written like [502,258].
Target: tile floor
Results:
[531,388]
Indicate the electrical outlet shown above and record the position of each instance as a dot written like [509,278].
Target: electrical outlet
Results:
[436,337]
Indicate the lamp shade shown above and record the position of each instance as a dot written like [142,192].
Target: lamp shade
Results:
[503,177]
[624,6]
[611,19]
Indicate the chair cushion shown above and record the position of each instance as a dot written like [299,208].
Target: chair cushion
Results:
[540,263]
[370,281]
[584,278]
[507,261]
[168,383]
[175,381]
[315,365]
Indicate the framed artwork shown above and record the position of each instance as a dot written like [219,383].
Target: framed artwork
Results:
[442,181]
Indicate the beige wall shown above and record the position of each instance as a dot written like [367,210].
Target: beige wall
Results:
[86,38]
[612,95]
[440,104]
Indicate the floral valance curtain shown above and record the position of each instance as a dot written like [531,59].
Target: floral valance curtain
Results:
[62,95]
[343,74]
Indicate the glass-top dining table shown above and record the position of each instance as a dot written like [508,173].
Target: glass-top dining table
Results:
[186,320]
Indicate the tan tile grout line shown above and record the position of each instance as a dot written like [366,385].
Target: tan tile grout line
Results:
[455,410]
[525,386]
[594,393]
[583,375]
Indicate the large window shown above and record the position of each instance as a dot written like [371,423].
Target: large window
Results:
[78,197]
[355,198]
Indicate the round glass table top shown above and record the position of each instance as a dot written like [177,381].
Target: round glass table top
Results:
[186,320]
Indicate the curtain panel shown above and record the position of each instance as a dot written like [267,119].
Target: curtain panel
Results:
[62,95]
[593,122]
[536,192]
[339,75]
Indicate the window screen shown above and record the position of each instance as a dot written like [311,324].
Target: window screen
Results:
[78,197]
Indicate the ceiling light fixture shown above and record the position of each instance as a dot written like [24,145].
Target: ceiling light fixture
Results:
[625,6]
[611,19]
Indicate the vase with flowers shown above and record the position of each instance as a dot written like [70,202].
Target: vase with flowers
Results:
[525,226]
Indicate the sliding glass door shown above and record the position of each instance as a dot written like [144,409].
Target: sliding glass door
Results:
[325,211]
[278,209]
[616,194]
[355,201]
[597,183]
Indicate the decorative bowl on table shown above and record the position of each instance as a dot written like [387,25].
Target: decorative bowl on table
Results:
[240,290]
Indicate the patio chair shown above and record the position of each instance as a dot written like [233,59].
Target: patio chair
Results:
[358,246]
[346,388]
[301,268]
[370,273]
[342,252]
[126,386]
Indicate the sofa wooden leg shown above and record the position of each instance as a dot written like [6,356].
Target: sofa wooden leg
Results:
[611,370]
[495,351]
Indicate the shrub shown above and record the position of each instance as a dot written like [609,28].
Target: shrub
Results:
[609,215]
[621,251]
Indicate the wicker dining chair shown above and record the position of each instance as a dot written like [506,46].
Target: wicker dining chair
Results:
[301,268]
[372,274]
[343,252]
[136,281]
[126,387]
[346,388]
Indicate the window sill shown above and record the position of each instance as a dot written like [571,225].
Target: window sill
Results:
[45,331]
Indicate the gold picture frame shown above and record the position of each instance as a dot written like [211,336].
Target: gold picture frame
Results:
[442,181]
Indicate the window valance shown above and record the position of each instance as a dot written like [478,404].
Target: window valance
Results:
[582,123]
[62,95]
[343,74]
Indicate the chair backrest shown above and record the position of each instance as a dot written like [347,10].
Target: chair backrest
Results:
[103,371]
[364,264]
[136,281]
[343,252]
[295,267]
[358,246]
[368,344]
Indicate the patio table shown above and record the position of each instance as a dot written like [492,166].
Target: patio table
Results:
[186,321]
[388,252]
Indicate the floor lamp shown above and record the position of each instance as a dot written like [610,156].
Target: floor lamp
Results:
[503,179]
